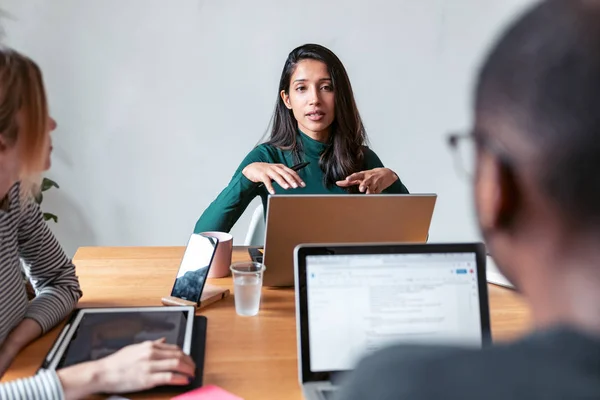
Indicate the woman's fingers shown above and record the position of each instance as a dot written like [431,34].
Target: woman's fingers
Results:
[285,177]
[266,173]
[291,177]
[374,186]
[168,378]
[277,177]
[352,180]
[167,354]
[372,189]
[347,183]
[366,184]
[357,176]
[266,180]
[363,186]
[162,344]
[173,364]
[170,366]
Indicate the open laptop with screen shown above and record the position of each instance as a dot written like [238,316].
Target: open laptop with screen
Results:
[354,299]
[346,218]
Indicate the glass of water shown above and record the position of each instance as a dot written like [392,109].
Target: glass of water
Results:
[247,285]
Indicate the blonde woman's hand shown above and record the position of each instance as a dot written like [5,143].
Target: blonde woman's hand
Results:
[16,340]
[134,368]
[373,181]
[267,172]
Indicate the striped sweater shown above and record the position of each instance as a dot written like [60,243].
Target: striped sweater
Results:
[25,236]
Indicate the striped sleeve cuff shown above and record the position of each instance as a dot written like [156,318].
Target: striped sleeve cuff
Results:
[44,386]
[50,307]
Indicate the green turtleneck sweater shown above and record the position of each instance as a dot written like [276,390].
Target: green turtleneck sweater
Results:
[225,210]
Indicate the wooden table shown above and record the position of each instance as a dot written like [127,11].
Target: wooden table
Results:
[252,357]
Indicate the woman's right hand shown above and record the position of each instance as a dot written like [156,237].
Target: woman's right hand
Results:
[133,368]
[267,172]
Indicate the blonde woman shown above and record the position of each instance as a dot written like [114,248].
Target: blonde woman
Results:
[25,147]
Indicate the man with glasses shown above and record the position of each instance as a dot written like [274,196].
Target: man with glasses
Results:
[536,139]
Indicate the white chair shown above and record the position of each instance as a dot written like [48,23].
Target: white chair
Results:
[256,230]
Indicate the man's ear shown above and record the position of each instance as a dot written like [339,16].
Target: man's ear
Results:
[498,195]
[3,144]
[286,99]
[510,196]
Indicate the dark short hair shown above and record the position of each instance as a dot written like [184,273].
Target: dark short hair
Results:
[544,74]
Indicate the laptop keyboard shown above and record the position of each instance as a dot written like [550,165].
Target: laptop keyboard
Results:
[328,394]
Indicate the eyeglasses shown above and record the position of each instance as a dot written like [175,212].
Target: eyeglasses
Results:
[464,147]
[464,151]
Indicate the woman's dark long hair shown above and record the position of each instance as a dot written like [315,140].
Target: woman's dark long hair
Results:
[347,138]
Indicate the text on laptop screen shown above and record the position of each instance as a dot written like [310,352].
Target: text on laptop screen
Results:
[359,303]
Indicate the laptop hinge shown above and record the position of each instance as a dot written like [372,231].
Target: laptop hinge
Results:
[336,378]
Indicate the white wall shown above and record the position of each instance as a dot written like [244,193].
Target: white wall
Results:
[158,101]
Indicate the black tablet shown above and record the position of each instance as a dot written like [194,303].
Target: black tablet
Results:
[93,333]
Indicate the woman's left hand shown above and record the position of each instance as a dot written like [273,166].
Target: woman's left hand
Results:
[7,355]
[16,340]
[373,181]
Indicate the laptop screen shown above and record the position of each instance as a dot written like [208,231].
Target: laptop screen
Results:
[359,303]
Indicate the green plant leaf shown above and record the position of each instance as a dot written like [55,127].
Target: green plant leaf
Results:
[48,183]
[50,216]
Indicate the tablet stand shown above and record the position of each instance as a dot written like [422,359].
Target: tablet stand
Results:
[210,294]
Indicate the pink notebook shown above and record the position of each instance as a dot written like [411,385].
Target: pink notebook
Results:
[211,392]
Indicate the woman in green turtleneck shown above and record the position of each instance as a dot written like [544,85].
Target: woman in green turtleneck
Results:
[316,120]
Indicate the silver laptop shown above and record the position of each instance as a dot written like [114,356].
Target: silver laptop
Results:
[354,299]
[495,276]
[295,219]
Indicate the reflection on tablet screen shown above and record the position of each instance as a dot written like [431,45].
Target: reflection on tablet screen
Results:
[100,335]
